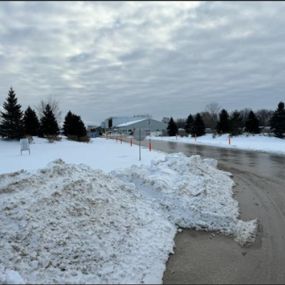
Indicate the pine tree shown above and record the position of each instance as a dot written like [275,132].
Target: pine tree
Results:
[235,123]
[189,124]
[49,126]
[80,130]
[198,128]
[277,122]
[12,124]
[67,125]
[74,127]
[110,123]
[223,125]
[31,122]
[252,123]
[172,128]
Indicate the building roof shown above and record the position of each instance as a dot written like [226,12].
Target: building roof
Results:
[130,123]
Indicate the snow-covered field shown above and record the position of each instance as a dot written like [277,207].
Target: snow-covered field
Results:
[99,153]
[252,142]
[110,219]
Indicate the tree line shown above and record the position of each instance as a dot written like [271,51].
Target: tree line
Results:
[236,123]
[16,124]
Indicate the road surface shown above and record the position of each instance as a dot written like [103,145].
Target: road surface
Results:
[209,258]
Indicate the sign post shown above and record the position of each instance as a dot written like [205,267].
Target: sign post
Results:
[139,135]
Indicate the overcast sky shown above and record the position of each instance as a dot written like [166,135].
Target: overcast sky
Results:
[162,58]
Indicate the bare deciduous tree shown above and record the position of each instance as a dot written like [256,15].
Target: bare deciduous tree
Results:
[264,117]
[54,104]
[210,116]
[208,120]
[180,123]
[213,108]
[244,115]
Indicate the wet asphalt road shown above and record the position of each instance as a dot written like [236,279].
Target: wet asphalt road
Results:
[202,257]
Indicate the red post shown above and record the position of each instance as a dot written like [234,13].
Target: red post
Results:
[149,145]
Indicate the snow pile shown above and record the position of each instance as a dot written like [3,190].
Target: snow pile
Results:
[68,223]
[71,224]
[192,193]
[8,276]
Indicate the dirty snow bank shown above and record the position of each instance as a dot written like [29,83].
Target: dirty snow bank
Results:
[193,193]
[71,224]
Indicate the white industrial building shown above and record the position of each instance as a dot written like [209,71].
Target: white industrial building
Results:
[149,125]
[127,125]
[113,122]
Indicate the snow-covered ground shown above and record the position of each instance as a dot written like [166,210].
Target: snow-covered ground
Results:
[252,142]
[100,153]
[67,222]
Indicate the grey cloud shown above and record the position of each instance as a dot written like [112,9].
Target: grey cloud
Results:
[100,59]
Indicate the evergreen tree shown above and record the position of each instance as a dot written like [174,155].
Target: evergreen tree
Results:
[110,123]
[73,126]
[189,124]
[235,123]
[49,124]
[223,125]
[67,125]
[252,123]
[172,128]
[12,123]
[80,130]
[31,122]
[198,128]
[277,122]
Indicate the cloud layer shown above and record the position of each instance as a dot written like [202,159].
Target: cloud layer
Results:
[163,58]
